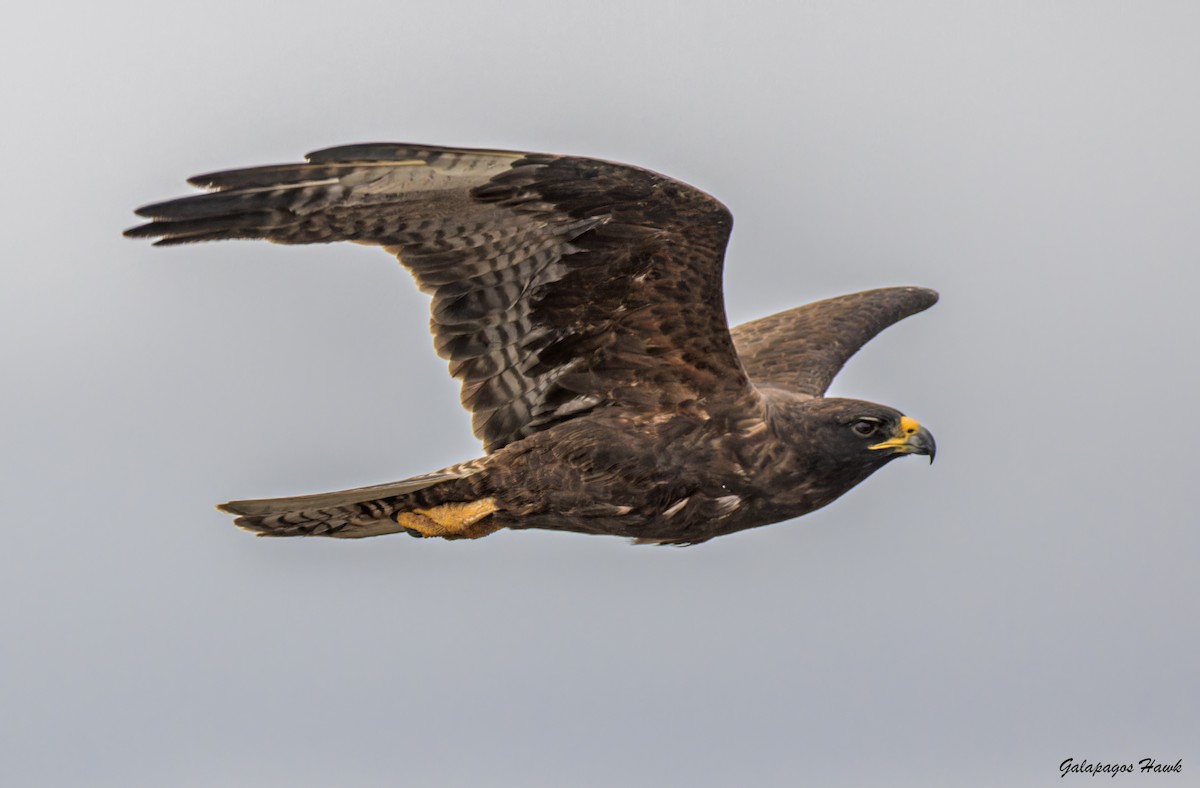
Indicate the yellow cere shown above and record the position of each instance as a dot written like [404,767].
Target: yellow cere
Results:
[908,428]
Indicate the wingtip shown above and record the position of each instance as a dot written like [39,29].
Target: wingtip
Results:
[909,295]
[923,297]
[146,230]
[206,180]
[153,210]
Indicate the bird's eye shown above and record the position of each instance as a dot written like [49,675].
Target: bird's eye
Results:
[865,427]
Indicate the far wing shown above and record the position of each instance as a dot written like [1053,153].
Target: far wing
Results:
[802,349]
[559,284]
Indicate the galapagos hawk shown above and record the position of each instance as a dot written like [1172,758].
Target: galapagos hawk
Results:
[579,302]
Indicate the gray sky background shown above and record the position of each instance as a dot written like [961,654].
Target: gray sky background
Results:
[1030,598]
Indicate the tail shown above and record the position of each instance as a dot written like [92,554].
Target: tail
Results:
[349,514]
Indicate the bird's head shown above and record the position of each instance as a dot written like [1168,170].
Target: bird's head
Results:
[864,432]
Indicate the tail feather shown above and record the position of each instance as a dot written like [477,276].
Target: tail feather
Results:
[345,514]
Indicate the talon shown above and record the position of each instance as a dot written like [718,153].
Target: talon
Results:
[465,520]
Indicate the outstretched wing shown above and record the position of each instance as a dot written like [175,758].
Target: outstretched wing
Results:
[559,284]
[802,349]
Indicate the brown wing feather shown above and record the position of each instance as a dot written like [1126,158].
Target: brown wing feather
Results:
[559,284]
[802,349]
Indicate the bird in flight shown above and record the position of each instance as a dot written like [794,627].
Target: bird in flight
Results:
[579,303]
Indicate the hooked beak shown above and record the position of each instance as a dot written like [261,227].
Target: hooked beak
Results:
[911,438]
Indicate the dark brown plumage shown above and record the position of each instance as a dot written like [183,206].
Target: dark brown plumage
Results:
[580,304]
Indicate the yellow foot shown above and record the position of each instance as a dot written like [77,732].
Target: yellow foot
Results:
[466,520]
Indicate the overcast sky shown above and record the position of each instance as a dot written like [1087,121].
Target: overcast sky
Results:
[1032,597]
